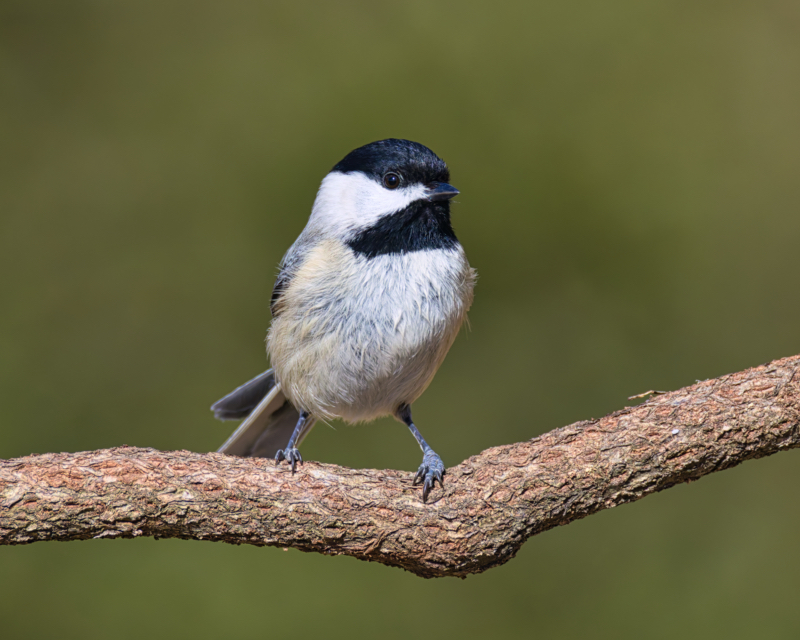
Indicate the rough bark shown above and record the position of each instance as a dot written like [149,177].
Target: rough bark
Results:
[490,505]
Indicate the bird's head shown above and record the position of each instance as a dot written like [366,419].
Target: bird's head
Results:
[389,196]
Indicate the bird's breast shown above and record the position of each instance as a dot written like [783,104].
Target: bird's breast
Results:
[357,336]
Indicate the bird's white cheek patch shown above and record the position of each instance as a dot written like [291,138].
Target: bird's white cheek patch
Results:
[351,201]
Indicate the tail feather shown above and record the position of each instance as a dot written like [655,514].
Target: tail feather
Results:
[278,430]
[268,426]
[240,402]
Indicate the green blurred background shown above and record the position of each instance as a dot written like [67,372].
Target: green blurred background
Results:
[630,177]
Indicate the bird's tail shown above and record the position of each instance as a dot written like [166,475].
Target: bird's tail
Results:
[269,421]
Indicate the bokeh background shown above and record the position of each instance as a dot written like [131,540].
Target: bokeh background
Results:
[630,177]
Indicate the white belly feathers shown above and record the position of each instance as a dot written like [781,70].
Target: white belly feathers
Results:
[355,337]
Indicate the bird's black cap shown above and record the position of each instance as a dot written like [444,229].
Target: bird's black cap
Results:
[414,161]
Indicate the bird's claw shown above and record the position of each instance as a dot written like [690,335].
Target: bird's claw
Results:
[292,456]
[431,470]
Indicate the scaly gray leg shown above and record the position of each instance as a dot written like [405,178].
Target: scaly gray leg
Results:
[291,454]
[432,467]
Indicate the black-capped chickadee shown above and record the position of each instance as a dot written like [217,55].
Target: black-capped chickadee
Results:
[366,305]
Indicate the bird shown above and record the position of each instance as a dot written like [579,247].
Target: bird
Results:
[366,304]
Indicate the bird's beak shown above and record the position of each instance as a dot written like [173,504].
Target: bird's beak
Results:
[441,191]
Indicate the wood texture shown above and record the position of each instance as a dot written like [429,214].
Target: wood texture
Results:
[490,505]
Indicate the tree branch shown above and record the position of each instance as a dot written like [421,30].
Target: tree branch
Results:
[490,505]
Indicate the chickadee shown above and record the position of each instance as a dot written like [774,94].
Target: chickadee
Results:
[366,305]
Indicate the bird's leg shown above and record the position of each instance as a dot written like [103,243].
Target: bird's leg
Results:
[432,467]
[291,454]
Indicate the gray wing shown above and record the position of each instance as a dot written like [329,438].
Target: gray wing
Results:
[281,282]
[269,424]
[294,257]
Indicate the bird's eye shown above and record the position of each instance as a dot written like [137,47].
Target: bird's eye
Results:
[391,181]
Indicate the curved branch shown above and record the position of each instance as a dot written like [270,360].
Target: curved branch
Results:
[490,505]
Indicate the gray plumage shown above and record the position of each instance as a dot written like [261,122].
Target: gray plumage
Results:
[241,401]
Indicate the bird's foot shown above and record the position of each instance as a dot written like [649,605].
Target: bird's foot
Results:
[431,470]
[291,455]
